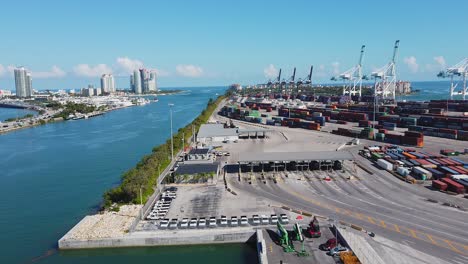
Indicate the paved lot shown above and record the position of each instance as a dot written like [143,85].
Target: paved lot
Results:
[276,254]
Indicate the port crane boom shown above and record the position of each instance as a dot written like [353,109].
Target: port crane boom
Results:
[385,77]
[353,77]
[459,70]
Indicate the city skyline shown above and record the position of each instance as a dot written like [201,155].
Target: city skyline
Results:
[195,45]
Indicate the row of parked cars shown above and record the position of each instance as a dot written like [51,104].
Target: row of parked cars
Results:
[161,207]
[223,221]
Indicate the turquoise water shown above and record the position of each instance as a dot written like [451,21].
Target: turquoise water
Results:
[53,175]
[429,90]
[6,113]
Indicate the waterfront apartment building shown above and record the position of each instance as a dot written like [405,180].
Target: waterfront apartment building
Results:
[143,81]
[107,83]
[23,82]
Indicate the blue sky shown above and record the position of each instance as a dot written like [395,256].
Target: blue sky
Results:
[68,44]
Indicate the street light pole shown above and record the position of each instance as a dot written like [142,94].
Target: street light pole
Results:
[141,203]
[172,142]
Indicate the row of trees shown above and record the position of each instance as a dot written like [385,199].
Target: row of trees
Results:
[145,174]
[72,108]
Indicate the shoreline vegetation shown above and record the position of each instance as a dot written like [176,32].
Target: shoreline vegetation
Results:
[145,174]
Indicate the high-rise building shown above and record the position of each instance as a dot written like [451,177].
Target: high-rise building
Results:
[107,83]
[136,85]
[152,86]
[23,82]
[143,81]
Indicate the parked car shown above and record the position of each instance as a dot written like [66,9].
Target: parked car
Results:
[193,223]
[255,220]
[223,221]
[331,243]
[264,219]
[244,220]
[202,222]
[173,223]
[274,219]
[336,250]
[164,223]
[184,223]
[284,219]
[212,222]
[234,221]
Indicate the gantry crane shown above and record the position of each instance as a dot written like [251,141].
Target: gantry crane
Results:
[385,78]
[353,77]
[459,70]
[308,80]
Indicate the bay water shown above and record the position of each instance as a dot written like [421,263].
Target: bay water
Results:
[51,176]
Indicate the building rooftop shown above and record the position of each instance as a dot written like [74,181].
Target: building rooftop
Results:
[199,151]
[294,156]
[197,168]
[216,130]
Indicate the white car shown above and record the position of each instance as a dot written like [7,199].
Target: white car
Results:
[193,223]
[264,219]
[164,223]
[212,222]
[274,219]
[173,223]
[284,219]
[255,220]
[244,221]
[202,222]
[223,221]
[234,221]
[184,223]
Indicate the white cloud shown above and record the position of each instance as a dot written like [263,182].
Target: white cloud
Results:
[127,65]
[270,71]
[161,73]
[10,68]
[55,72]
[440,60]
[2,70]
[189,70]
[335,68]
[411,63]
[91,71]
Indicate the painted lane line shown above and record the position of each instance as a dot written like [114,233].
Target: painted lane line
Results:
[431,239]
[452,247]
[397,228]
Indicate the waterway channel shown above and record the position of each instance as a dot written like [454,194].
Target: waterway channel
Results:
[53,175]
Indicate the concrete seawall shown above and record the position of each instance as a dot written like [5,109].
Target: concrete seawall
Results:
[164,238]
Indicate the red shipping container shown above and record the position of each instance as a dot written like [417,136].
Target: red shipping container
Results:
[442,186]
[413,134]
[453,186]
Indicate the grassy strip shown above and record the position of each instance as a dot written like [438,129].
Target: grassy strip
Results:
[144,175]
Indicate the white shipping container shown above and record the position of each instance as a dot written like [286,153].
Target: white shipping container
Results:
[460,176]
[403,171]
[421,171]
[385,164]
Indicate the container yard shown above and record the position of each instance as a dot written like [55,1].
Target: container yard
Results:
[446,173]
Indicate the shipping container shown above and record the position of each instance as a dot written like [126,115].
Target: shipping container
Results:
[439,185]
[436,174]
[453,186]
[448,171]
[421,173]
[403,171]
[385,164]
